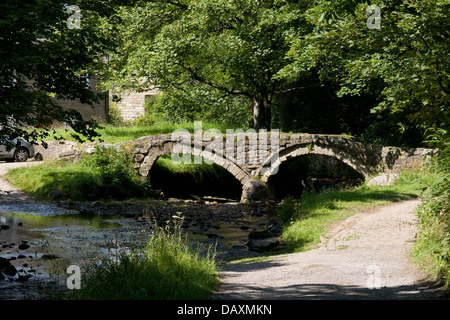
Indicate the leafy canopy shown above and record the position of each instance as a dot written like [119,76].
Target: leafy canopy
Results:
[43,59]
[228,48]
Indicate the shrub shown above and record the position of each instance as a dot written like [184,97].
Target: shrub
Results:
[113,176]
[432,248]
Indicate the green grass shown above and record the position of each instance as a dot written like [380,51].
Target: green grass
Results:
[309,218]
[168,268]
[107,174]
[119,134]
[431,250]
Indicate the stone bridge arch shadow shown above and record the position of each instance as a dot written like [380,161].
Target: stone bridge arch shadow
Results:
[146,158]
[274,168]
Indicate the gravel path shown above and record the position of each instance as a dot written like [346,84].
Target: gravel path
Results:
[14,200]
[364,257]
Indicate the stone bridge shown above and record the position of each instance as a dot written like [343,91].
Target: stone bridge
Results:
[252,158]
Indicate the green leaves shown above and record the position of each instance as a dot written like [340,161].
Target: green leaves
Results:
[43,58]
[233,47]
[408,56]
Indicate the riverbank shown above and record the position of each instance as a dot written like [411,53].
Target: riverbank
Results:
[228,226]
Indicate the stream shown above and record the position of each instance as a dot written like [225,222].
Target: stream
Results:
[40,240]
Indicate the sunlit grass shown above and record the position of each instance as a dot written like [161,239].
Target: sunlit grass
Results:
[168,268]
[309,218]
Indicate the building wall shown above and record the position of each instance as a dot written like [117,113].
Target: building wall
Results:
[98,111]
[131,104]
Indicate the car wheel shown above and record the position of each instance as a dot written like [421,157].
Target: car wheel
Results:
[21,155]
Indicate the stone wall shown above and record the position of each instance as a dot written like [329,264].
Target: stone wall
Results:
[131,104]
[98,111]
[398,159]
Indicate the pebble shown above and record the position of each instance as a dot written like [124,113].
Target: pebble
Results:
[24,246]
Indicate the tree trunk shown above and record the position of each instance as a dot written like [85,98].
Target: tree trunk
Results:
[261,112]
[286,114]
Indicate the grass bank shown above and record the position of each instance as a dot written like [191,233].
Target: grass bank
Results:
[310,217]
[168,268]
[432,248]
[107,174]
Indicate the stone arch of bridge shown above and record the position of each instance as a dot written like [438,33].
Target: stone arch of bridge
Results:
[221,160]
[271,165]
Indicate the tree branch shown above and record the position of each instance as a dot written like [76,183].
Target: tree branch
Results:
[297,88]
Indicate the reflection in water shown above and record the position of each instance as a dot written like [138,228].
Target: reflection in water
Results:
[42,247]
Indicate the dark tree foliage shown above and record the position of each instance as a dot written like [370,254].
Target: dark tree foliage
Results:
[43,56]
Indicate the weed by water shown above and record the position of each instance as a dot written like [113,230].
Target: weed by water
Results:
[168,268]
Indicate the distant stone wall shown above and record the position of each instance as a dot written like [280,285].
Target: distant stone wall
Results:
[131,104]
[398,159]
[98,111]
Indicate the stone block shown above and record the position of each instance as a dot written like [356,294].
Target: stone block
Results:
[384,180]
[139,157]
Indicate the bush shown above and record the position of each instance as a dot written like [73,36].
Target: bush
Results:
[113,176]
[432,248]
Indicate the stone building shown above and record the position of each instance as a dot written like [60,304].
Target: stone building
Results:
[132,104]
[98,111]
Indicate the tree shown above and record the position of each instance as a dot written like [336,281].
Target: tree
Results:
[234,47]
[405,62]
[44,51]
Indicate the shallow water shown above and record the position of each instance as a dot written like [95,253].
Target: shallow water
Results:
[42,245]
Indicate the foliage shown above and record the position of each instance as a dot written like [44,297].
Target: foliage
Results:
[199,103]
[114,115]
[432,248]
[207,47]
[43,61]
[404,64]
[116,177]
[168,268]
[299,65]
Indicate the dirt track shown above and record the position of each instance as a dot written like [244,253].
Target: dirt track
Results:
[364,257]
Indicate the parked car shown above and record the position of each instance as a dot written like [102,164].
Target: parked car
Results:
[21,151]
